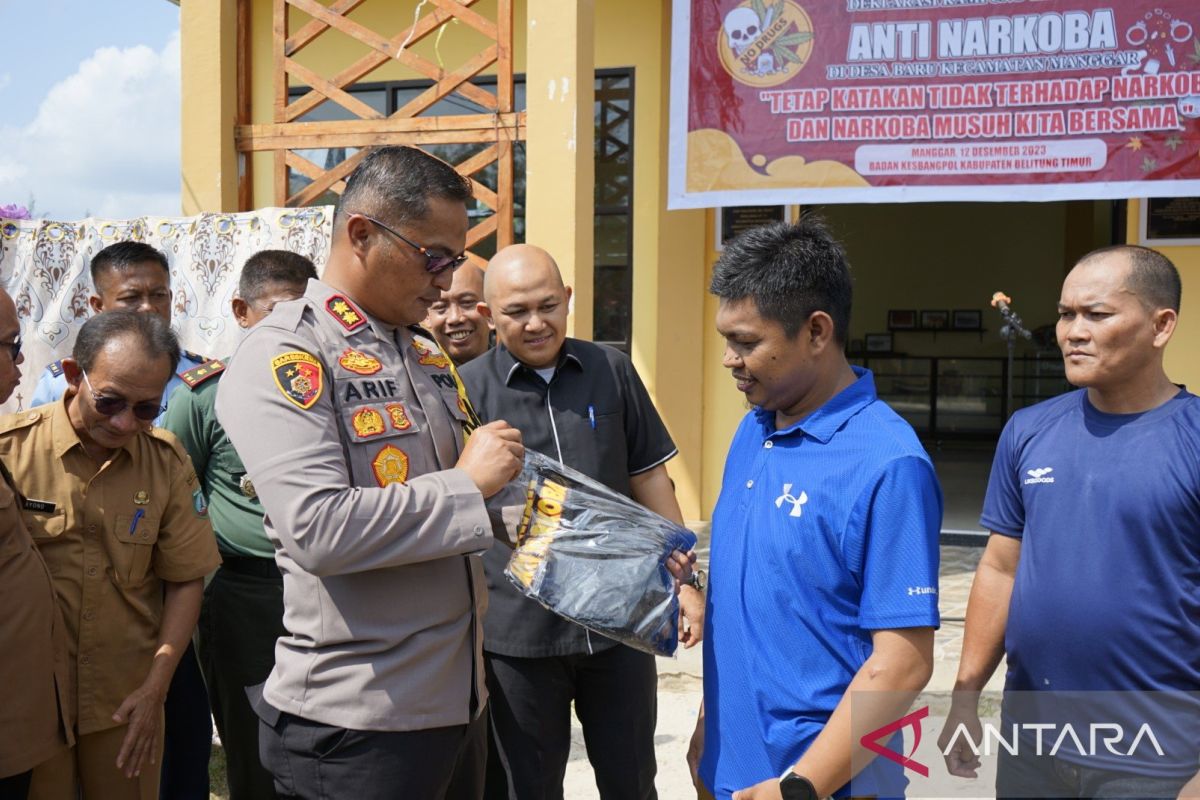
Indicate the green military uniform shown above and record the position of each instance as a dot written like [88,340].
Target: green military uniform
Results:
[242,614]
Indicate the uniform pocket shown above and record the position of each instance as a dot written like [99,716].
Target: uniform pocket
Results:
[131,546]
[383,420]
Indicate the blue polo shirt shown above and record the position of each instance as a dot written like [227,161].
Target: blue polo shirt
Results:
[824,532]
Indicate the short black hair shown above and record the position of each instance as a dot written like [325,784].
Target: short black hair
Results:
[1152,276]
[395,184]
[790,270]
[123,255]
[268,267]
[155,337]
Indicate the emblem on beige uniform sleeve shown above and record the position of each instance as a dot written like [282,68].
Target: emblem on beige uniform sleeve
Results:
[367,422]
[299,377]
[359,363]
[390,465]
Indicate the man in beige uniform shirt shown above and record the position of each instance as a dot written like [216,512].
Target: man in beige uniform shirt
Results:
[351,426]
[116,511]
[34,721]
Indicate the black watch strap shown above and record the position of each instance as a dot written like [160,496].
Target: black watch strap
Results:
[797,787]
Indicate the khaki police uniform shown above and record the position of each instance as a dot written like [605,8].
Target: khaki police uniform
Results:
[110,535]
[34,699]
[350,429]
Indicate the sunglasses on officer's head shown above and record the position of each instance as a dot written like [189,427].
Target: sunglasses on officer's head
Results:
[433,263]
[106,406]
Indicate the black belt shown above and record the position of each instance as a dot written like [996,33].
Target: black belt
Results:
[251,565]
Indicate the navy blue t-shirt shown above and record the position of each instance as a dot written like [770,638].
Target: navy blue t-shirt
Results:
[1107,591]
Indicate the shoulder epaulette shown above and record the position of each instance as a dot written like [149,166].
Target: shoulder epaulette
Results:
[198,375]
[20,419]
[345,312]
[55,368]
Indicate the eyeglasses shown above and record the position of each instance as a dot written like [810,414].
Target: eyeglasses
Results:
[14,347]
[433,263]
[111,406]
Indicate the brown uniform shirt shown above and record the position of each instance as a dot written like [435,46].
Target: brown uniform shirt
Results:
[34,717]
[110,535]
[350,430]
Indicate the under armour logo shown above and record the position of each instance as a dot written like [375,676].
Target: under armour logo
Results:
[796,502]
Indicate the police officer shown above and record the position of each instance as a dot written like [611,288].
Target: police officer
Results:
[242,613]
[34,715]
[115,510]
[351,425]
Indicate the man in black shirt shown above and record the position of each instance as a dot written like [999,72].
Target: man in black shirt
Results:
[585,405]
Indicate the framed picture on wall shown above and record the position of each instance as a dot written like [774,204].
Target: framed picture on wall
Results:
[879,342]
[967,319]
[901,319]
[935,320]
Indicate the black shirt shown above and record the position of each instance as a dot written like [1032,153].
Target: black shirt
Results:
[596,416]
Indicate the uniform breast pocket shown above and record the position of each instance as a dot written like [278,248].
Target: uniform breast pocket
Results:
[131,546]
[381,420]
[45,525]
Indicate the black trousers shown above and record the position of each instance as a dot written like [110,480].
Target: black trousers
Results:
[615,696]
[314,761]
[15,787]
[240,620]
[187,740]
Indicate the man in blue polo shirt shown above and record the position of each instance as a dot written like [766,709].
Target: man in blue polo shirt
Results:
[824,564]
[1091,577]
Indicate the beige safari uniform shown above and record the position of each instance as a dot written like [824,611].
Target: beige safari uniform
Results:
[110,536]
[34,710]
[350,430]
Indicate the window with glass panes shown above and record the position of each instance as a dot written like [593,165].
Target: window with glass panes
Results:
[613,288]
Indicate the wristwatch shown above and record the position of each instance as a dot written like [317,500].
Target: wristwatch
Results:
[797,787]
[697,581]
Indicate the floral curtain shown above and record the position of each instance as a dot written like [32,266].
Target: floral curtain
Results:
[44,265]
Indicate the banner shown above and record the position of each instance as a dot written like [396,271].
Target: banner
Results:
[851,101]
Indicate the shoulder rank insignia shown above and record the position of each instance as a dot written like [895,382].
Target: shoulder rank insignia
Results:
[55,369]
[299,377]
[399,416]
[198,375]
[367,422]
[345,312]
[429,354]
[390,465]
[359,363]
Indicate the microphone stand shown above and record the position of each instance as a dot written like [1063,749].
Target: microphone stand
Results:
[1009,331]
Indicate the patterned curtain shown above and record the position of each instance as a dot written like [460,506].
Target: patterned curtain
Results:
[44,265]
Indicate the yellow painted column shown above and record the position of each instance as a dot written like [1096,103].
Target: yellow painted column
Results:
[559,169]
[208,161]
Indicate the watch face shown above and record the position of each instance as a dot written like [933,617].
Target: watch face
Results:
[796,787]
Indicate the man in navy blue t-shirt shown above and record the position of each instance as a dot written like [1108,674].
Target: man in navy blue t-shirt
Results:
[824,564]
[1091,578]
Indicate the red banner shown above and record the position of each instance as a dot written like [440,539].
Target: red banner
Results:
[825,101]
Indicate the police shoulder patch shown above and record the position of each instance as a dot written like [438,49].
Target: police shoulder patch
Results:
[345,312]
[55,368]
[299,377]
[198,375]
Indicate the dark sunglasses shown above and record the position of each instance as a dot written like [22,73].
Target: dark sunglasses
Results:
[107,406]
[433,263]
[14,347]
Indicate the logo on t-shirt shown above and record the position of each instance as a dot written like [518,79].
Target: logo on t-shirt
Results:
[796,502]
[1039,475]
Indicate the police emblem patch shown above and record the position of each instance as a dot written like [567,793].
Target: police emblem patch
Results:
[299,377]
[247,487]
[367,422]
[359,363]
[390,465]
[399,416]
[429,353]
[344,312]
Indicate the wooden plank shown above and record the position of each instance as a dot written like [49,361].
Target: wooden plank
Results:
[481,231]
[413,138]
[483,194]
[358,32]
[478,261]
[477,162]
[303,165]
[314,28]
[331,91]
[279,25]
[469,16]
[504,57]
[332,179]
[502,124]
[245,198]
[446,85]
[371,61]
[504,191]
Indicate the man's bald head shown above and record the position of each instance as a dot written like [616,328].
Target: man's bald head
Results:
[455,320]
[528,303]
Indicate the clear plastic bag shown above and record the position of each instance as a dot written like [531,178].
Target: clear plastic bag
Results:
[597,558]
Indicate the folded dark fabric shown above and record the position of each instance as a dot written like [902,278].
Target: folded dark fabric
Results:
[597,558]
